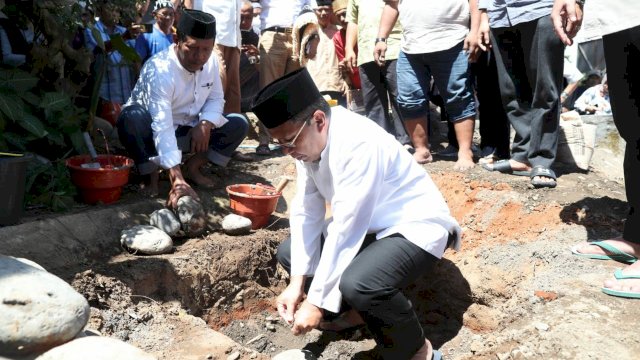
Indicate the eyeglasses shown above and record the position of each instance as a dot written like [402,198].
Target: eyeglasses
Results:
[291,144]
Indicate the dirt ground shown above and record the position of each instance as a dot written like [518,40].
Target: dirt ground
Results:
[513,291]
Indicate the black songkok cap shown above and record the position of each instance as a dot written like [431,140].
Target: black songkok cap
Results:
[324,2]
[284,98]
[197,24]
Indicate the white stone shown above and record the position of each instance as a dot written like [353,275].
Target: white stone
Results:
[191,216]
[38,310]
[95,348]
[146,239]
[294,354]
[31,263]
[541,326]
[165,220]
[233,224]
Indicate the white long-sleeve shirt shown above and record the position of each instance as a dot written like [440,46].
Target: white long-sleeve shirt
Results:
[374,186]
[175,96]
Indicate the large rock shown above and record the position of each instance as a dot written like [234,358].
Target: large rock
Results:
[233,224]
[146,239]
[192,216]
[165,220]
[95,348]
[37,309]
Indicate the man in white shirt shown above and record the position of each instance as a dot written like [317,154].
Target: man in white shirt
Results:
[276,46]
[390,223]
[176,106]
[227,15]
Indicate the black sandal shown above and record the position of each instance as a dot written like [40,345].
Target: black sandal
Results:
[543,172]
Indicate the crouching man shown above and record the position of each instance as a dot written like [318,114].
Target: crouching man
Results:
[176,106]
[390,223]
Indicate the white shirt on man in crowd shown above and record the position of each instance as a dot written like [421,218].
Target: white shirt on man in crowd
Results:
[227,14]
[282,12]
[430,26]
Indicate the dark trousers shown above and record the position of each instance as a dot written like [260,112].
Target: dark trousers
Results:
[379,92]
[529,59]
[622,54]
[372,285]
[134,131]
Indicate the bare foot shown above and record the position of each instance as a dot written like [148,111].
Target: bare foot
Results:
[465,160]
[618,243]
[626,285]
[348,320]
[194,174]
[518,166]
[423,156]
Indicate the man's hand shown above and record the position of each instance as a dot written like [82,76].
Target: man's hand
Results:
[471,46]
[200,136]
[178,190]
[307,318]
[350,60]
[567,19]
[250,50]
[484,32]
[379,52]
[289,299]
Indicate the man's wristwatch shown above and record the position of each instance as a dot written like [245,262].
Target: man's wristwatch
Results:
[384,40]
[581,3]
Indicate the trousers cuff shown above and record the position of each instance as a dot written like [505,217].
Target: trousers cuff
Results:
[217,158]
[147,167]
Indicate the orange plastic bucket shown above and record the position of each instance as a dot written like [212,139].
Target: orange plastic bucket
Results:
[254,201]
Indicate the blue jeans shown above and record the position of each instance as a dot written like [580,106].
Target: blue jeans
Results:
[450,71]
[134,131]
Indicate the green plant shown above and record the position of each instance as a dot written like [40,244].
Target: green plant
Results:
[41,122]
[37,107]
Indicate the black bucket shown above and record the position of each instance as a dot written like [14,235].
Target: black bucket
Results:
[13,172]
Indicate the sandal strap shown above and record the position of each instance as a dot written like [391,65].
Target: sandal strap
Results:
[542,171]
[615,252]
[620,276]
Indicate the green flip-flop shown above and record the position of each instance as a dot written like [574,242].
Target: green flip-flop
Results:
[616,254]
[625,294]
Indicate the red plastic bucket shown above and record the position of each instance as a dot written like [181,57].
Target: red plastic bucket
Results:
[103,184]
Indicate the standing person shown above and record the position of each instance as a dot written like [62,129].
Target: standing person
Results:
[340,40]
[436,41]
[323,66]
[619,22]
[176,107]
[276,47]
[161,37]
[381,236]
[250,57]
[494,127]
[379,84]
[228,43]
[530,59]
[117,78]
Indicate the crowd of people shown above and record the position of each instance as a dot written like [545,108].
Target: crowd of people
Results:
[202,64]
